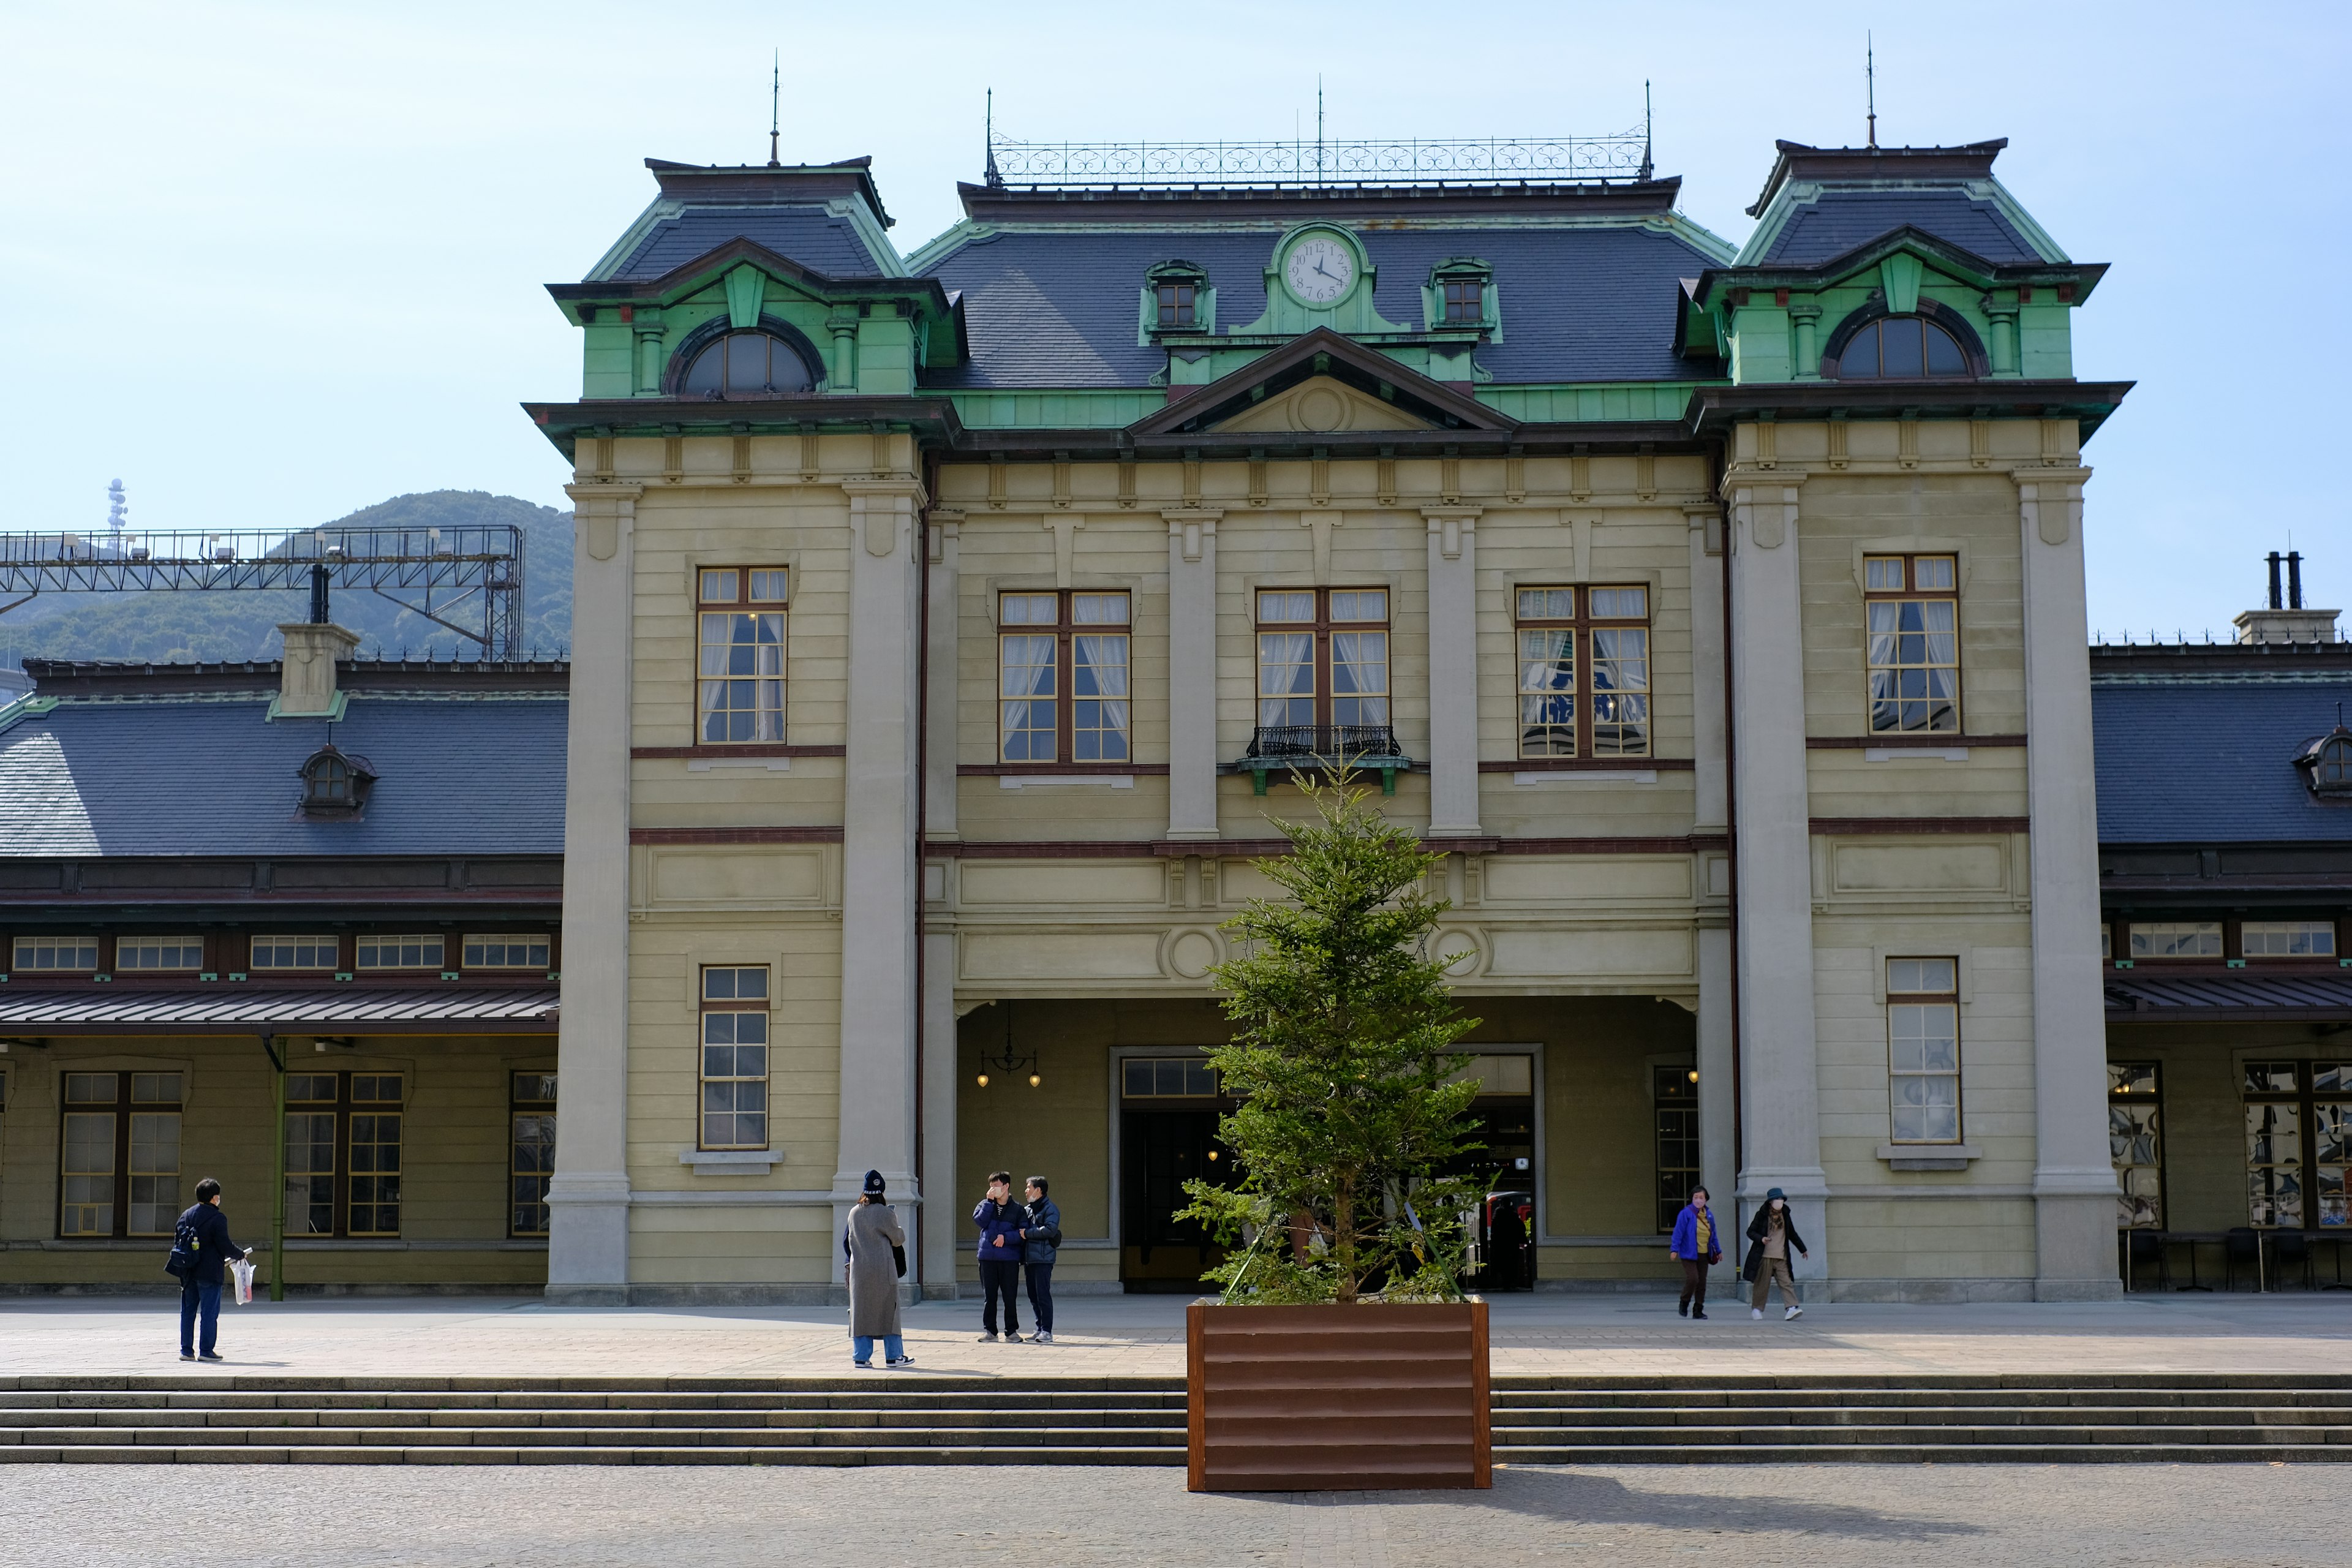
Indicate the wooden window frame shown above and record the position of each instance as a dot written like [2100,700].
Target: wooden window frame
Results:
[123,1108]
[519,1106]
[2219,955]
[1910,593]
[202,951]
[1323,628]
[97,945]
[1178,302]
[344,1108]
[333,941]
[1580,624]
[468,941]
[1956,1072]
[1066,631]
[2235,943]
[2126,1214]
[1460,300]
[1673,1092]
[704,1005]
[437,966]
[743,603]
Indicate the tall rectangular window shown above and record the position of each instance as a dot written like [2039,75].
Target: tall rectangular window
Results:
[1323,666]
[734,1056]
[2135,1143]
[41,954]
[119,1154]
[1923,1049]
[296,952]
[533,1155]
[2287,938]
[343,1153]
[1062,677]
[2298,1143]
[506,949]
[1673,1101]
[739,655]
[411,952]
[1913,606]
[2175,939]
[151,952]
[1584,671]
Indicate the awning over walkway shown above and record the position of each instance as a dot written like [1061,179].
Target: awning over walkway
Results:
[2233,998]
[237,1010]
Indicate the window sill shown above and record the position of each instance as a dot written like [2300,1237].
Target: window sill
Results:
[1055,781]
[1585,776]
[1915,753]
[730,1162]
[1930,1156]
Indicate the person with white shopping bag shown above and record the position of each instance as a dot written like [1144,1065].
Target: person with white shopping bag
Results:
[201,1250]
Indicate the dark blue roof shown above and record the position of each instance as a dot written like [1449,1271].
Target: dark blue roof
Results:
[2212,762]
[811,235]
[456,775]
[1838,221]
[1060,309]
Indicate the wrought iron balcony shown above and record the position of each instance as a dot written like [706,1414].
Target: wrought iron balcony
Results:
[1323,748]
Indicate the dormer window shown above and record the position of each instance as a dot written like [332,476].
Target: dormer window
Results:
[1465,300]
[335,784]
[1900,348]
[1460,293]
[1177,299]
[747,364]
[2327,765]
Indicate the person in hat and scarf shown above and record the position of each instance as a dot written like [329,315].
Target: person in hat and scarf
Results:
[1771,1236]
[871,1247]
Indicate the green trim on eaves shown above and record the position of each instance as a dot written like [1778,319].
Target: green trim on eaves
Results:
[1074,408]
[1593,401]
[26,707]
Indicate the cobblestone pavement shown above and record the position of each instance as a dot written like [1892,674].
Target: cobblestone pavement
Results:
[1632,1335]
[1821,1516]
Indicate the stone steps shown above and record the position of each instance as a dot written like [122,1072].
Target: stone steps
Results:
[911,1418]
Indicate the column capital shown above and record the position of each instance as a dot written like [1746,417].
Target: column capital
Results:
[1757,476]
[1179,516]
[589,492]
[2031,474]
[1437,514]
[890,485]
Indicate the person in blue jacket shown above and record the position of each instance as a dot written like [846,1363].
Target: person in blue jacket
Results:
[999,1218]
[1041,1241]
[200,1249]
[1698,1242]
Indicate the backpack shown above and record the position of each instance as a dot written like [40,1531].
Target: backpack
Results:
[181,1263]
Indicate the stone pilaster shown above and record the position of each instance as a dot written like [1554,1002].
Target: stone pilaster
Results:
[1709,700]
[934,1270]
[2073,1176]
[1193,671]
[588,1197]
[1453,669]
[1780,1082]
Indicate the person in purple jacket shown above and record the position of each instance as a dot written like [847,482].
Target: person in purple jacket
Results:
[1697,1243]
[1000,1219]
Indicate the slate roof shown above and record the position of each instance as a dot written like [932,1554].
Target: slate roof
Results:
[456,774]
[811,235]
[1059,308]
[1838,221]
[2210,762]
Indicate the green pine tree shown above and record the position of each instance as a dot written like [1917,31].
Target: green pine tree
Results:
[1344,1043]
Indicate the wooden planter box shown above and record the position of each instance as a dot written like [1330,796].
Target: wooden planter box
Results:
[1338,1398]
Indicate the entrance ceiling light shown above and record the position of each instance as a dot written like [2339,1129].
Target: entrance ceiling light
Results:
[1006,1062]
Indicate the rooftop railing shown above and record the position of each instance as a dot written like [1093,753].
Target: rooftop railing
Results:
[1481,161]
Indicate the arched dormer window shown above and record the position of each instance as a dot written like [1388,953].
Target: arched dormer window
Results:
[334,783]
[2327,765]
[747,364]
[1900,348]
[1177,299]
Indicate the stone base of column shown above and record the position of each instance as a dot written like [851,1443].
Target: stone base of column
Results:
[588,1238]
[2074,1238]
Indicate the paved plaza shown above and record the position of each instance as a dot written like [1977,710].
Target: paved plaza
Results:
[1631,1335]
[1823,1516]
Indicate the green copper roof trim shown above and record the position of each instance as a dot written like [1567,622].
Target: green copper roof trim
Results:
[1593,402]
[24,707]
[1801,194]
[1091,408]
[1074,408]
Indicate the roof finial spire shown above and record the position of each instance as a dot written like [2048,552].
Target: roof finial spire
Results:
[1319,128]
[994,180]
[1870,79]
[775,106]
[1646,127]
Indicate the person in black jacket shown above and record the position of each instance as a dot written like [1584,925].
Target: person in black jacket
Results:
[1771,1237]
[203,1233]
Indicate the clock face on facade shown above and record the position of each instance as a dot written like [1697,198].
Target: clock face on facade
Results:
[1320,270]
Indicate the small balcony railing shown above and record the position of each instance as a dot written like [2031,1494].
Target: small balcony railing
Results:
[1323,748]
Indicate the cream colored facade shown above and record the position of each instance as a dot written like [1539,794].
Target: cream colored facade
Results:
[1608,918]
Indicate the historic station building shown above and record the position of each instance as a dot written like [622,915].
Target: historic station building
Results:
[338,879]
[948,624]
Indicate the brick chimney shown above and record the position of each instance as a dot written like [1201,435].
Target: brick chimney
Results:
[307,673]
[2286,620]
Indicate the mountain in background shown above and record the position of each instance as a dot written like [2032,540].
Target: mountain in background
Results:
[239,624]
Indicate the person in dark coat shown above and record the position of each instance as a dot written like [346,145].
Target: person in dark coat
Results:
[1041,1240]
[870,1245]
[201,1237]
[1698,1244]
[1771,1237]
[1000,1220]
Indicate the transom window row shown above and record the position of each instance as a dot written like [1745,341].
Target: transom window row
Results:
[284,951]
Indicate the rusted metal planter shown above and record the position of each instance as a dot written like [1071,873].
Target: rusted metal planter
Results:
[1338,1398]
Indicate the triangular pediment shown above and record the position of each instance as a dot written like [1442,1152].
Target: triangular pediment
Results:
[1320,376]
[1321,406]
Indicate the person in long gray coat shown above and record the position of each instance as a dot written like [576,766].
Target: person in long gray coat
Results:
[871,1244]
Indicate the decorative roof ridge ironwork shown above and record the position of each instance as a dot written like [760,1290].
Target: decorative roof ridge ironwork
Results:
[1375,161]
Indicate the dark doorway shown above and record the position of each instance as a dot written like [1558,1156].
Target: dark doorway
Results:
[1159,1151]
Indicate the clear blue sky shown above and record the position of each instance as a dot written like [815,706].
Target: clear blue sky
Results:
[271,263]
